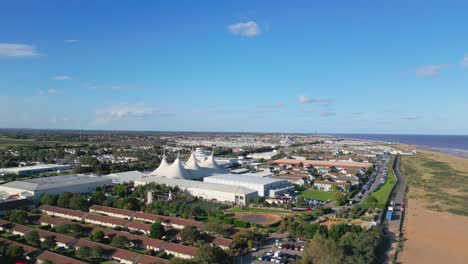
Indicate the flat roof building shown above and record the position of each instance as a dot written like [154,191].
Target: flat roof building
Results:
[34,169]
[262,185]
[205,190]
[75,183]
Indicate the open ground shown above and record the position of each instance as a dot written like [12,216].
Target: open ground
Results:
[436,225]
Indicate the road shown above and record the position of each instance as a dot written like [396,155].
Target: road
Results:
[398,196]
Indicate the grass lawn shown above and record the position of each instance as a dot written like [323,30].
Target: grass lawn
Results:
[383,193]
[316,195]
[437,179]
[257,210]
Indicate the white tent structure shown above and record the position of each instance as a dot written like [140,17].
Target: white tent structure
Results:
[163,167]
[211,164]
[191,170]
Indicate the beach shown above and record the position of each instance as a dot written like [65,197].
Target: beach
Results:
[436,221]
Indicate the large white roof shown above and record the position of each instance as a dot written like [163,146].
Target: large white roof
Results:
[187,184]
[56,182]
[162,168]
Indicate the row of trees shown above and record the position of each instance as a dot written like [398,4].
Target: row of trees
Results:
[345,245]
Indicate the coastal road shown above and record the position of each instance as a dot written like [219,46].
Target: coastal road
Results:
[398,196]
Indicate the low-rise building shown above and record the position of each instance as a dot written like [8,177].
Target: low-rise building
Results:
[110,211]
[62,212]
[47,257]
[105,220]
[327,185]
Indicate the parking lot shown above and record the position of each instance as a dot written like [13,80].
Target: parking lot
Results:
[285,252]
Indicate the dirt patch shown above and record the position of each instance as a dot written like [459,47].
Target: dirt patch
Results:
[264,219]
[433,237]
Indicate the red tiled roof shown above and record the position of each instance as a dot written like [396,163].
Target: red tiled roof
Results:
[8,243]
[113,251]
[56,258]
[168,219]
[186,250]
[60,210]
[156,243]
[106,219]
[112,210]
[58,237]
[153,260]
[325,163]
[221,241]
[49,220]
[140,226]
[18,227]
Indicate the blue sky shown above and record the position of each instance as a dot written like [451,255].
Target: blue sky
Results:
[285,66]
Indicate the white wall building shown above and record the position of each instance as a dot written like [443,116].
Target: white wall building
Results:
[75,183]
[205,190]
[262,185]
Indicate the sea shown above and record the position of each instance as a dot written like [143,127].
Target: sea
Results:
[450,144]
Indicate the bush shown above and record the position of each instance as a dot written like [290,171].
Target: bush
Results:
[241,223]
[228,220]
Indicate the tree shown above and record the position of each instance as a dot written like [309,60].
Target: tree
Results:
[83,252]
[321,250]
[339,197]
[189,234]
[157,230]
[121,190]
[78,202]
[96,252]
[49,243]
[98,197]
[98,236]
[49,199]
[19,217]
[15,252]
[208,254]
[64,199]
[33,238]
[120,241]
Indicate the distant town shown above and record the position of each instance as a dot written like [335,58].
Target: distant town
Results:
[144,197]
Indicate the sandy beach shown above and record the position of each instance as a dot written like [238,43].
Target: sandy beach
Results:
[433,233]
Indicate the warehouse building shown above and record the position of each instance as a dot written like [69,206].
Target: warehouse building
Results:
[75,183]
[205,190]
[263,185]
[34,169]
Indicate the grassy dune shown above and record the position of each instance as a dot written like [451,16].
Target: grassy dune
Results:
[439,180]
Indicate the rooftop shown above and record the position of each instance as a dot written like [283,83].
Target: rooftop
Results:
[56,182]
[184,184]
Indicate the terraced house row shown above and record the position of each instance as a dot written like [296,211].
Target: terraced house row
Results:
[113,217]
[109,252]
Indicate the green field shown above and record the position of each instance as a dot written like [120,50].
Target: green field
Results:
[316,195]
[383,193]
[257,210]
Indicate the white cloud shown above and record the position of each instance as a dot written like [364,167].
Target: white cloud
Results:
[410,117]
[71,40]
[62,78]
[245,29]
[12,50]
[430,70]
[51,91]
[320,101]
[124,111]
[464,61]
